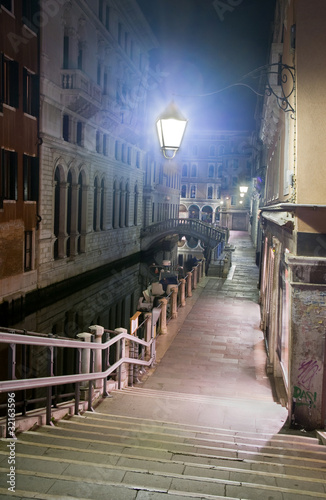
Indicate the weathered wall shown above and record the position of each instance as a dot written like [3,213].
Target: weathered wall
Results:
[308,312]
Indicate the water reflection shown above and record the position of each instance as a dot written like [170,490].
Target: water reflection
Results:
[109,303]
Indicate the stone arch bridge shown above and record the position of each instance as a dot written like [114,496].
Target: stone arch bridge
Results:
[210,236]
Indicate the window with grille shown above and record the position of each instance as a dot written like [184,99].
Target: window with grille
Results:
[30,178]
[9,82]
[8,175]
[30,93]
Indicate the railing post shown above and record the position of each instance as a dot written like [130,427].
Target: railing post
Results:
[148,333]
[77,384]
[90,383]
[164,302]
[200,267]
[121,353]
[98,332]
[106,364]
[189,287]
[203,267]
[50,362]
[183,292]
[11,376]
[174,298]
[194,269]
[85,360]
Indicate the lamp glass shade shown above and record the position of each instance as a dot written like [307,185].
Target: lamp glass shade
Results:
[171,127]
[243,189]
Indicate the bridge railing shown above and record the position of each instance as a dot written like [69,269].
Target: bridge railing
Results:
[211,234]
[36,361]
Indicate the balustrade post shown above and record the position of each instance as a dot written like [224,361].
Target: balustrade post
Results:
[189,287]
[163,316]
[174,298]
[200,268]
[183,292]
[195,277]
[98,332]
[148,333]
[122,351]
[85,361]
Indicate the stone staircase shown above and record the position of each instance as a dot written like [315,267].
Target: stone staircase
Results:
[106,456]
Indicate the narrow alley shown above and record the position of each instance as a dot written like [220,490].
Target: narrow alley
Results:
[211,365]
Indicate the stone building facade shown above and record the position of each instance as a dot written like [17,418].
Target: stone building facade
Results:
[19,155]
[92,177]
[292,210]
[214,164]
[94,73]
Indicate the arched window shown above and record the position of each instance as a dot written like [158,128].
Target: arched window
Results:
[210,193]
[184,191]
[69,211]
[95,203]
[184,171]
[220,172]
[121,206]
[115,205]
[57,212]
[194,171]
[136,205]
[127,205]
[82,211]
[211,171]
[193,192]
[193,212]
[102,211]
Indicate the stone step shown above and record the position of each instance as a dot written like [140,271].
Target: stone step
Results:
[160,427]
[183,443]
[62,475]
[167,450]
[68,449]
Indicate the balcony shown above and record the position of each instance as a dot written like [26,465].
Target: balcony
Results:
[79,93]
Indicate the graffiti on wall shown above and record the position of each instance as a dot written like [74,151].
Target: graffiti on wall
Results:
[304,398]
[307,371]
[302,394]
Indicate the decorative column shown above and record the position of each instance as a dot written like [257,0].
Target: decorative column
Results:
[200,267]
[163,316]
[86,353]
[174,298]
[148,333]
[98,332]
[195,277]
[123,369]
[189,288]
[183,292]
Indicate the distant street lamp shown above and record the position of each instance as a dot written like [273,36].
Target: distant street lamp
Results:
[171,126]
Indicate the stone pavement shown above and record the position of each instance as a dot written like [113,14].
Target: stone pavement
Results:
[211,365]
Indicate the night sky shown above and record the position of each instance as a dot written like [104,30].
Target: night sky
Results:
[206,45]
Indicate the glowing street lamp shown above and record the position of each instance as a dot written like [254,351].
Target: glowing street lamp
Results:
[171,126]
[243,189]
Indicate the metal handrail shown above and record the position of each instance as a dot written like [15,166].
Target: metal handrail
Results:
[33,383]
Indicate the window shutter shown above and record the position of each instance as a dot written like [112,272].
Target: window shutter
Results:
[35,95]
[25,178]
[13,175]
[14,82]
[25,86]
[1,81]
[35,179]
